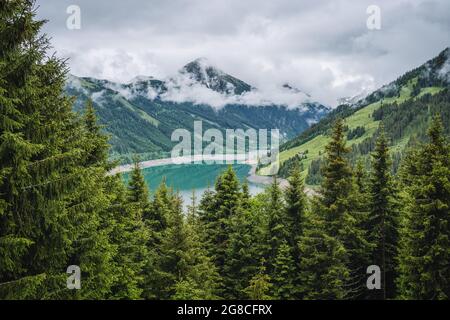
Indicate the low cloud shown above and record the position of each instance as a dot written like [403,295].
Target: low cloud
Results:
[182,88]
[321,47]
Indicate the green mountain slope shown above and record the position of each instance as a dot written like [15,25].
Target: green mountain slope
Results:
[410,100]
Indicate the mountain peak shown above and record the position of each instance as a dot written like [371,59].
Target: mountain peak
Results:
[202,71]
[197,64]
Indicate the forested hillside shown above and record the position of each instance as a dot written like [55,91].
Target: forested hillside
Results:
[404,107]
[60,206]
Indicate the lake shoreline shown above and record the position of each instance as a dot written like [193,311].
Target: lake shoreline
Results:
[252,177]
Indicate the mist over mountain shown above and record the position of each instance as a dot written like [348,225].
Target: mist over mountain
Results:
[142,114]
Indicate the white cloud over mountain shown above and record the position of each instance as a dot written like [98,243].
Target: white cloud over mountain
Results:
[322,47]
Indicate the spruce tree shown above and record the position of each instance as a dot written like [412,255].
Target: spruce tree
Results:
[259,286]
[138,192]
[333,247]
[206,213]
[174,246]
[276,229]
[245,196]
[161,207]
[165,206]
[192,209]
[51,198]
[361,178]
[242,256]
[96,142]
[121,222]
[361,258]
[130,237]
[186,272]
[92,250]
[285,274]
[202,280]
[383,224]
[223,204]
[296,206]
[295,198]
[324,271]
[337,183]
[424,258]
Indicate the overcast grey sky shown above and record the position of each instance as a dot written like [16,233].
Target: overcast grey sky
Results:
[322,47]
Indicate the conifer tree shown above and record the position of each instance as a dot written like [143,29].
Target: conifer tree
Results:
[362,257]
[138,192]
[216,215]
[337,183]
[324,271]
[361,197]
[186,272]
[174,246]
[285,274]
[361,177]
[296,206]
[333,247]
[259,286]
[162,206]
[165,206]
[424,259]
[277,231]
[242,259]
[192,209]
[130,237]
[96,142]
[121,220]
[202,280]
[51,200]
[206,212]
[245,196]
[93,250]
[383,230]
[206,205]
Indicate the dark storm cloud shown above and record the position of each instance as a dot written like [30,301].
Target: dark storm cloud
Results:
[322,47]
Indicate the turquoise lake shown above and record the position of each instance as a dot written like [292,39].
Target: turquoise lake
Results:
[186,178]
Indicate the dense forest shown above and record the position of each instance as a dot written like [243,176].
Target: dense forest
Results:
[60,206]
